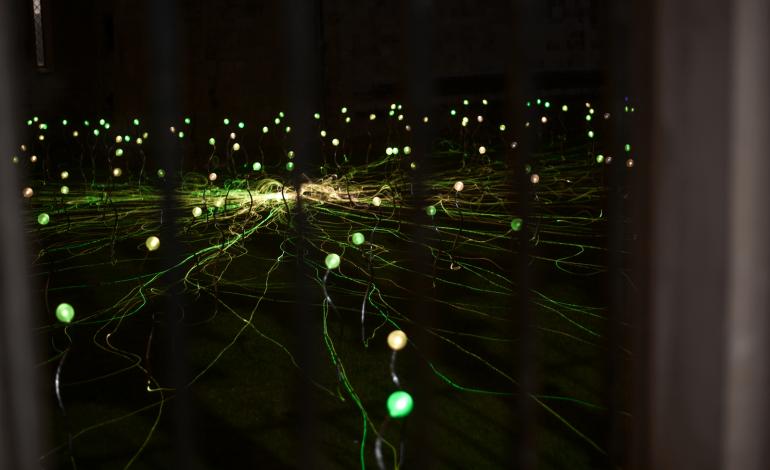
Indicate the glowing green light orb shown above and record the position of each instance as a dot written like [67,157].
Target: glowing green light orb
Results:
[241,125]
[102,122]
[136,122]
[181,134]
[212,141]
[118,152]
[43,219]
[357,238]
[197,212]
[316,116]
[407,150]
[400,404]
[516,224]
[256,166]
[565,108]
[289,166]
[64,122]
[430,210]
[590,134]
[332,261]
[65,313]
[161,173]
[226,121]
[96,132]
[600,158]
[628,147]
[265,129]
[187,120]
[152,243]
[65,190]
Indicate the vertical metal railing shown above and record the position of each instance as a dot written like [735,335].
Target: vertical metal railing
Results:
[165,108]
[301,93]
[616,21]
[21,408]
[419,79]
[520,88]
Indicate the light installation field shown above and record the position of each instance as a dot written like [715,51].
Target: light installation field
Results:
[95,216]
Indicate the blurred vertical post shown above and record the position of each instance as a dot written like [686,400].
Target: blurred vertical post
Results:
[616,58]
[20,414]
[418,76]
[302,45]
[747,408]
[641,185]
[165,82]
[520,89]
[689,245]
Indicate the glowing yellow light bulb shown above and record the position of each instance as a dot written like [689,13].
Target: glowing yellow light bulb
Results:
[397,340]
[376,201]
[482,150]
[152,243]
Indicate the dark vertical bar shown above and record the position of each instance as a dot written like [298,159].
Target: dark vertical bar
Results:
[641,186]
[302,30]
[690,159]
[419,91]
[20,414]
[616,21]
[520,89]
[747,402]
[165,83]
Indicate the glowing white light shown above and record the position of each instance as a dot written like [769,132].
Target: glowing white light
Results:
[236,147]
[376,201]
[212,176]
[65,174]
[482,150]
[535,178]
[458,186]
[116,172]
